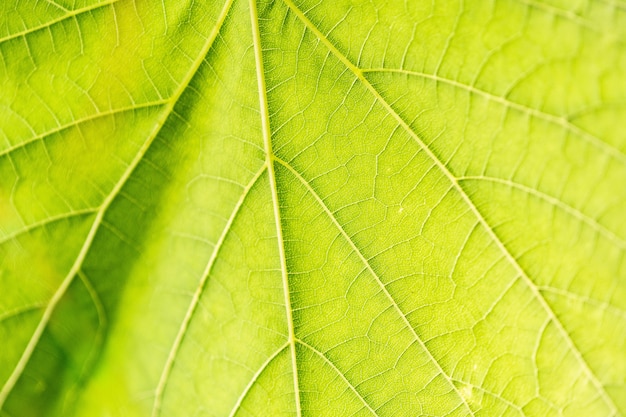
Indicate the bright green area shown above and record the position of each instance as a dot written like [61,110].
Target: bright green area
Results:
[312,208]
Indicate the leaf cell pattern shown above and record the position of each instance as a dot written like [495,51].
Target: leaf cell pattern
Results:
[312,208]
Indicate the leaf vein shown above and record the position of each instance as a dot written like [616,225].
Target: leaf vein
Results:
[341,375]
[579,215]
[267,140]
[20,310]
[255,378]
[98,221]
[77,122]
[463,194]
[167,368]
[382,286]
[69,15]
[50,220]
[561,121]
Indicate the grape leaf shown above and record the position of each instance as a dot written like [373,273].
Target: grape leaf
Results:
[312,208]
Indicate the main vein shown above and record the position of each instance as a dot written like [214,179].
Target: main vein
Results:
[267,140]
[102,210]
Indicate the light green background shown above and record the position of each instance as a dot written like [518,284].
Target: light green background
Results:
[312,208]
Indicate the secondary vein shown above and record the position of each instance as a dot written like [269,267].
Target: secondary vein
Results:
[182,331]
[255,378]
[68,15]
[561,121]
[341,375]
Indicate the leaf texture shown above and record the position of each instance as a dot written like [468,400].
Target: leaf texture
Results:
[312,208]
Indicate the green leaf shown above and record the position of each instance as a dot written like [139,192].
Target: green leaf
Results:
[312,208]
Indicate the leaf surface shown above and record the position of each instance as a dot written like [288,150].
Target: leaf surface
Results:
[312,208]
